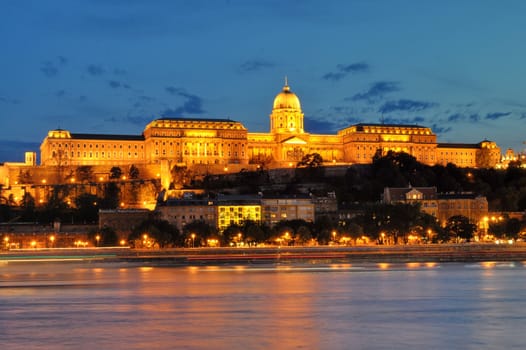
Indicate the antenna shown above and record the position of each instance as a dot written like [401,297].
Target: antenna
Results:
[286,81]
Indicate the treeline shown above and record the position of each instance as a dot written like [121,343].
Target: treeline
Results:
[505,190]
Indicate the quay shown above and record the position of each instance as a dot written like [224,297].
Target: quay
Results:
[319,254]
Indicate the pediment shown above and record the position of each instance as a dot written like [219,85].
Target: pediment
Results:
[294,140]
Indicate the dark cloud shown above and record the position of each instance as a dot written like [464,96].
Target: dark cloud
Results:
[405,105]
[255,65]
[474,117]
[192,105]
[62,60]
[406,121]
[319,126]
[439,129]
[117,84]
[9,100]
[342,70]
[455,117]
[355,67]
[497,115]
[49,69]
[95,70]
[377,90]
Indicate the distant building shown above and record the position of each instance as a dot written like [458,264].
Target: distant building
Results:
[440,205]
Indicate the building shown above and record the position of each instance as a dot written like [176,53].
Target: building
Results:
[278,208]
[212,146]
[440,205]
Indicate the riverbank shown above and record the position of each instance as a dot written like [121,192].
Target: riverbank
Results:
[202,256]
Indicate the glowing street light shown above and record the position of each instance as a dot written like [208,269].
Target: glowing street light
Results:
[97,238]
[52,240]
[193,239]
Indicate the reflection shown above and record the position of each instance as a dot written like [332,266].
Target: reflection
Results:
[384,265]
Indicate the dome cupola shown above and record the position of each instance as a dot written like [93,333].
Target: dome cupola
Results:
[286,99]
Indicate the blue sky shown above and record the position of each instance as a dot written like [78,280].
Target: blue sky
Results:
[111,66]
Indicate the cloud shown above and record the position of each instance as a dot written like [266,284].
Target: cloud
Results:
[474,117]
[497,115]
[95,70]
[405,105]
[438,129]
[60,93]
[319,126]
[51,68]
[342,70]
[406,121]
[255,65]
[117,84]
[455,117]
[193,104]
[377,90]
[8,100]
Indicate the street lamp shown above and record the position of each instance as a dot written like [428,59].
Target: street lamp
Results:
[193,239]
[334,235]
[97,238]
[52,240]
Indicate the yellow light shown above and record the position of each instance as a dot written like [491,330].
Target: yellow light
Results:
[122,204]
[44,181]
[52,239]
[122,242]
[72,180]
[33,244]
[101,178]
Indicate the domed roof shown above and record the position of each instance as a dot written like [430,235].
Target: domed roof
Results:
[287,99]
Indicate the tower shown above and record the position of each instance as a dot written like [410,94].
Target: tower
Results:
[286,116]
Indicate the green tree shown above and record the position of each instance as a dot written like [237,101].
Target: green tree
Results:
[84,173]
[87,207]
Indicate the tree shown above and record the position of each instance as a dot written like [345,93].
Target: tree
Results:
[87,207]
[85,173]
[459,226]
[106,237]
[201,231]
[153,233]
[115,172]
[311,160]
[133,172]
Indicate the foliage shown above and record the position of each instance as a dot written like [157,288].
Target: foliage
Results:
[160,233]
[460,228]
[107,237]
[201,230]
[84,173]
[133,173]
[115,172]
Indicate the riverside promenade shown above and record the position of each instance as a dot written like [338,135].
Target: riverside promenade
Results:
[468,252]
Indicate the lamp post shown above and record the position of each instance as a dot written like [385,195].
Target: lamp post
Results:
[193,239]
[97,238]
[52,240]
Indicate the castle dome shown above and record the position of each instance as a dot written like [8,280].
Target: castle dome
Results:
[287,99]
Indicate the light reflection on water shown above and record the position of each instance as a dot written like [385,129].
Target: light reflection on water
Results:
[293,305]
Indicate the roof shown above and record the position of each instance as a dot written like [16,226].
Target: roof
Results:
[108,137]
[227,120]
[458,145]
[458,195]
[399,193]
[392,125]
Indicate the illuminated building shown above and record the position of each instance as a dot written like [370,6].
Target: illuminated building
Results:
[217,145]
[441,205]
[213,146]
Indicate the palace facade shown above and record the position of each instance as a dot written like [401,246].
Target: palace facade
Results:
[221,144]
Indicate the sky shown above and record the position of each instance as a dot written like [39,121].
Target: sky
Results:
[112,66]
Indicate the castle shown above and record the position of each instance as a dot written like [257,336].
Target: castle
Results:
[211,146]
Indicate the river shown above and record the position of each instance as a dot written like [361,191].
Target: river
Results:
[307,305]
